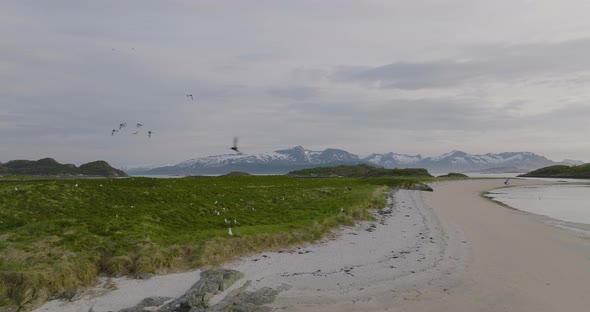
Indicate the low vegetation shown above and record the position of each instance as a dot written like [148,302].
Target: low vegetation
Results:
[50,167]
[359,171]
[454,175]
[560,171]
[57,236]
[236,174]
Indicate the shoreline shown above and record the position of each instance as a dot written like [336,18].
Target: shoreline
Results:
[581,229]
[408,250]
[406,243]
[447,250]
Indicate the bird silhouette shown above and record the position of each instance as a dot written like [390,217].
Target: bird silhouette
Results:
[235,147]
[149,134]
[190,96]
[113,132]
[139,125]
[122,125]
[136,132]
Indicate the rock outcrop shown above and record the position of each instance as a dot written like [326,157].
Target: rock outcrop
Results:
[211,283]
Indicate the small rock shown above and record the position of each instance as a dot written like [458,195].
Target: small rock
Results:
[145,276]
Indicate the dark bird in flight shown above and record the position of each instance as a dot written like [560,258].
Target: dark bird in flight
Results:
[190,96]
[235,147]
[136,132]
[149,134]
[122,125]
[113,132]
[138,125]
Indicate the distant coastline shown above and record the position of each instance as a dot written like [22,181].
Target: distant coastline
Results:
[561,171]
[49,167]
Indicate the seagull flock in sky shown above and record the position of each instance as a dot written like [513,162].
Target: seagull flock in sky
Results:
[123,125]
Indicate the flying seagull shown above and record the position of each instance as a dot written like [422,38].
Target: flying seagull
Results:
[190,96]
[235,147]
[113,132]
[122,125]
[136,132]
[138,125]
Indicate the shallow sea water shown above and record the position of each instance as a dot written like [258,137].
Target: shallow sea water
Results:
[563,200]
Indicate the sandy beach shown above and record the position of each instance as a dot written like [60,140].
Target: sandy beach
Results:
[447,250]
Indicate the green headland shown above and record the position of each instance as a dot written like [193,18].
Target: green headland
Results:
[58,236]
[574,172]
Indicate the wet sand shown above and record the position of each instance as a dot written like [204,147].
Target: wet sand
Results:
[520,261]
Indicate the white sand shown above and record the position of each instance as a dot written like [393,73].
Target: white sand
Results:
[406,249]
[128,292]
[481,257]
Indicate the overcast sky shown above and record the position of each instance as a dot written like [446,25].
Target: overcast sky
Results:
[415,77]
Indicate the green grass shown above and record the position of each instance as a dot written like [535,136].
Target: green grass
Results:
[56,238]
[359,171]
[560,171]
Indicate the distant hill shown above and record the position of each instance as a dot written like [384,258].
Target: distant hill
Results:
[50,167]
[358,171]
[236,174]
[283,161]
[454,175]
[560,171]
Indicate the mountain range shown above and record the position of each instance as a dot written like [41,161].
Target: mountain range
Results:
[284,161]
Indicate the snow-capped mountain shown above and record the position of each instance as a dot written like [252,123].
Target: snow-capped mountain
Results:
[458,161]
[277,162]
[283,161]
[569,162]
[393,160]
[461,162]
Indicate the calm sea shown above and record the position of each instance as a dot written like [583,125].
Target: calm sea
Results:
[567,200]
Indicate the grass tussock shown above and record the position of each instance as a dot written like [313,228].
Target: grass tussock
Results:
[222,250]
[58,236]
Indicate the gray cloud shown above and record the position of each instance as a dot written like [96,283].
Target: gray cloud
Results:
[298,93]
[498,63]
[71,71]
[417,115]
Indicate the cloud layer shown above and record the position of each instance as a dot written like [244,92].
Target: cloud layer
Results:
[370,76]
